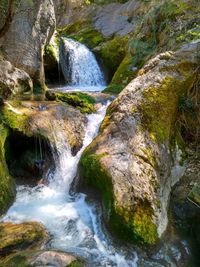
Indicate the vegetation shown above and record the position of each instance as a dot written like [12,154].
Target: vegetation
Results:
[82,101]
[6,182]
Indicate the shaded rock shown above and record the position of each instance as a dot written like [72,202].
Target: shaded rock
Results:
[185,213]
[23,44]
[133,161]
[15,237]
[13,80]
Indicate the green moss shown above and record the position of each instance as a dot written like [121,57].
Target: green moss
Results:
[194,195]
[113,89]
[132,225]
[124,73]
[162,103]
[112,52]
[39,88]
[82,101]
[14,120]
[83,32]
[76,263]
[6,182]
[50,60]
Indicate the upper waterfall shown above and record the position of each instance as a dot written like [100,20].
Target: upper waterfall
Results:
[79,65]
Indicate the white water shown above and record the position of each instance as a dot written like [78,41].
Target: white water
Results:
[72,223]
[80,67]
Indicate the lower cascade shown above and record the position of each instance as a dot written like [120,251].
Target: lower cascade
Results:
[73,224]
[79,66]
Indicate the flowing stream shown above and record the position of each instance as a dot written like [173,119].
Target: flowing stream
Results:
[73,224]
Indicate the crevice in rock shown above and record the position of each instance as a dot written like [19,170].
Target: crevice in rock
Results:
[28,158]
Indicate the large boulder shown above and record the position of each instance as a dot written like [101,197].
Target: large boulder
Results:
[31,28]
[13,80]
[134,161]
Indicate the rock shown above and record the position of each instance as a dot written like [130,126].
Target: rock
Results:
[116,18]
[133,161]
[51,61]
[47,119]
[6,182]
[41,258]
[16,237]
[13,80]
[81,101]
[23,44]
[54,258]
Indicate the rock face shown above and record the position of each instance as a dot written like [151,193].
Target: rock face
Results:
[15,237]
[117,18]
[134,160]
[13,80]
[23,44]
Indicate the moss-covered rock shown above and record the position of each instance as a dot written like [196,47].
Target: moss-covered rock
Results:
[81,101]
[112,52]
[38,118]
[139,228]
[6,182]
[83,32]
[132,160]
[20,236]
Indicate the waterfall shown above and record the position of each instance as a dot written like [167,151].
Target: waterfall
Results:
[79,66]
[73,223]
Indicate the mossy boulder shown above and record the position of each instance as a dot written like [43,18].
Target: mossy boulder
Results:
[15,237]
[133,161]
[38,118]
[81,101]
[6,182]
